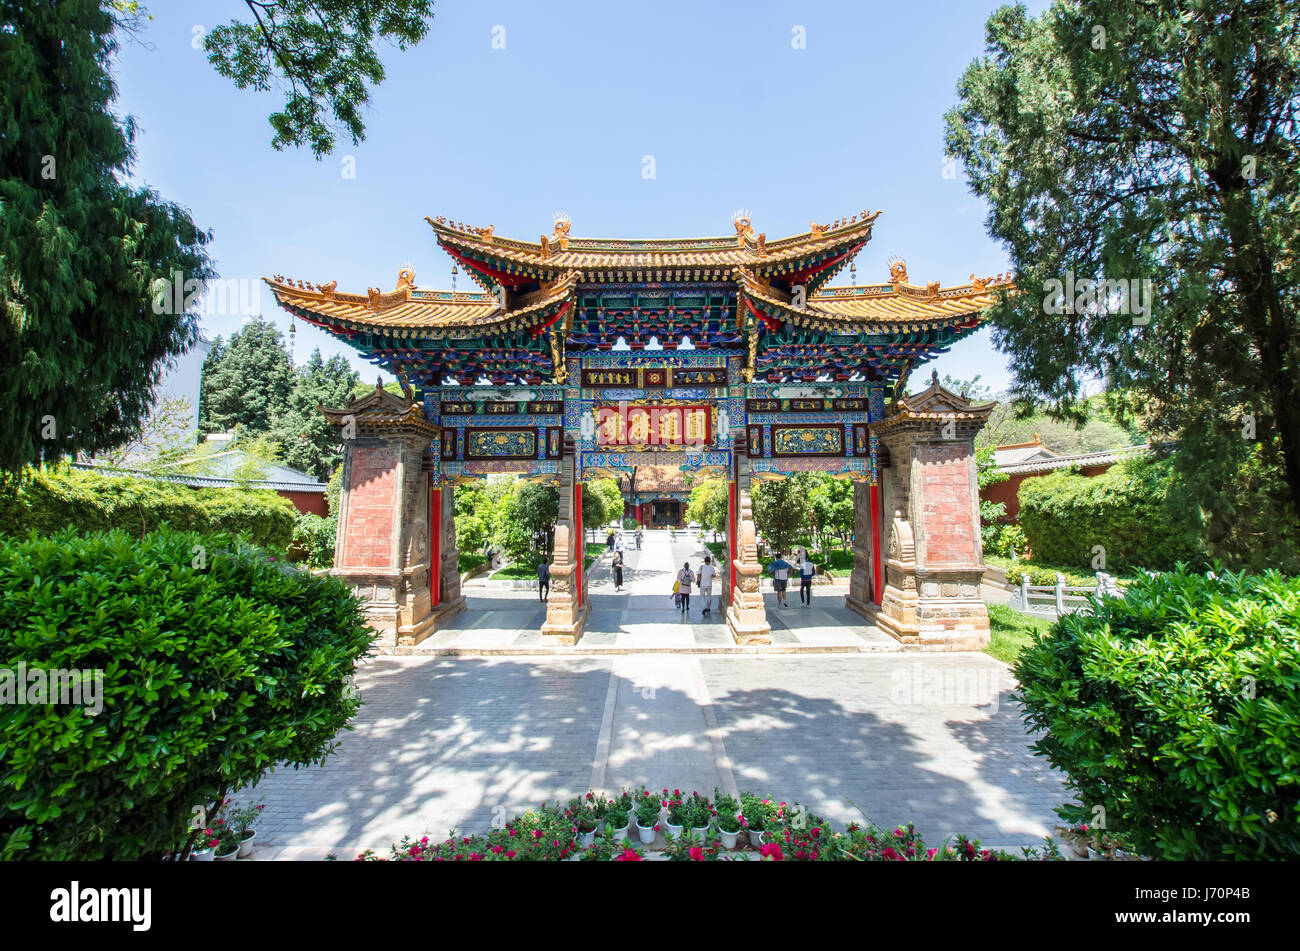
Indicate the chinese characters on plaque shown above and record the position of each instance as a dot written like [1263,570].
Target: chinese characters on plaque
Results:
[653,425]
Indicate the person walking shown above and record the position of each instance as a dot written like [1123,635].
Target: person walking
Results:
[685,578]
[705,583]
[806,571]
[638,538]
[618,569]
[619,544]
[780,569]
[543,581]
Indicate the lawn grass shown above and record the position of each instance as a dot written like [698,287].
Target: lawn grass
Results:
[1010,632]
[517,571]
[469,560]
[592,551]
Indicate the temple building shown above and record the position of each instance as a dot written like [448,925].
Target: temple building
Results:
[732,356]
[656,496]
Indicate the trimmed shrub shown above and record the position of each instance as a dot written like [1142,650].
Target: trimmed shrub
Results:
[313,539]
[1175,709]
[49,501]
[218,659]
[1065,515]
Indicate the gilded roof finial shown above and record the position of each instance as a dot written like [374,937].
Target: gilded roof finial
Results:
[897,271]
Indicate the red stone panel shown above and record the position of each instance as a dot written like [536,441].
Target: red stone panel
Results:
[946,504]
[372,500]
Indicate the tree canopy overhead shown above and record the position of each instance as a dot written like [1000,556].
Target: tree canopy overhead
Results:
[323,51]
[1152,145]
[82,346]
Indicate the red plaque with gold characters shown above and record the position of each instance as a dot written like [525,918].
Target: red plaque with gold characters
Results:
[654,426]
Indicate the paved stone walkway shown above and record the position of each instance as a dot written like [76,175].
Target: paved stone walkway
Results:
[642,615]
[462,742]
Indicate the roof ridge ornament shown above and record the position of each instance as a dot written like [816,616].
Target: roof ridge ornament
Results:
[897,271]
[560,235]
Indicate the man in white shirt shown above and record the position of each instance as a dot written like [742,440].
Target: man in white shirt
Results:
[705,582]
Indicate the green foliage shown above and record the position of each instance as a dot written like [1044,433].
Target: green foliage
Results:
[249,383]
[595,509]
[211,676]
[314,538]
[781,509]
[1065,515]
[830,507]
[708,505]
[612,495]
[324,52]
[530,521]
[310,443]
[482,513]
[82,348]
[49,501]
[1011,631]
[1165,154]
[1175,709]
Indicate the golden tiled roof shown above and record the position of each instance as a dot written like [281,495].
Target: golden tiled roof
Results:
[408,308]
[661,260]
[892,307]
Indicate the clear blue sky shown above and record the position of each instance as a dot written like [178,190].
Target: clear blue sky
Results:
[560,120]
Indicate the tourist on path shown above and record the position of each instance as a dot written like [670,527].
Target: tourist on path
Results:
[685,578]
[543,581]
[618,542]
[806,571]
[706,584]
[638,538]
[780,569]
[618,569]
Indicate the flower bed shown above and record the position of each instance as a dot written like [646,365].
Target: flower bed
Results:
[552,833]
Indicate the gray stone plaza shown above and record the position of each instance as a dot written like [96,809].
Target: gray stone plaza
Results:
[840,720]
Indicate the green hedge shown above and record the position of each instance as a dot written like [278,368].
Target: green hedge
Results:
[313,539]
[219,661]
[1175,709]
[1065,515]
[49,501]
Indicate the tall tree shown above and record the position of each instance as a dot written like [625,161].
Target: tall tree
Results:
[82,344]
[250,384]
[781,509]
[324,52]
[307,440]
[1133,141]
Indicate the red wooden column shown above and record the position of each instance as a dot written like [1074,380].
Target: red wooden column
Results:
[435,544]
[581,545]
[731,537]
[877,584]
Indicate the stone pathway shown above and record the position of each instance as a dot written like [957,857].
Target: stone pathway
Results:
[464,742]
[642,616]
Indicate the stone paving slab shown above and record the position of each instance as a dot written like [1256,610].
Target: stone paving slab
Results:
[462,743]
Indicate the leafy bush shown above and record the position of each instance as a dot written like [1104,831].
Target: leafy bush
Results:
[1065,515]
[1175,709]
[313,539]
[219,661]
[49,501]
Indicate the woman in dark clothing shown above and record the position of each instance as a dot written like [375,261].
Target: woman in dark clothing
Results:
[618,570]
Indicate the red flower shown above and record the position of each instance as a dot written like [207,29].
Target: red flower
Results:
[697,854]
[629,855]
[771,851]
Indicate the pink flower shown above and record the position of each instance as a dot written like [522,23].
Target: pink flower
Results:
[697,854]
[629,855]
[511,854]
[771,851]
[931,853]
[537,833]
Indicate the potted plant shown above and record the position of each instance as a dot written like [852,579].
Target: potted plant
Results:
[698,814]
[618,816]
[647,816]
[584,819]
[755,813]
[204,849]
[242,820]
[726,812]
[676,807]
[227,847]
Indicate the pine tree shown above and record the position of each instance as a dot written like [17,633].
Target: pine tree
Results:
[249,383]
[82,344]
[307,439]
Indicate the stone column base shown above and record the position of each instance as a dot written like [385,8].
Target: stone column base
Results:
[947,625]
[747,615]
[409,636]
[563,625]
